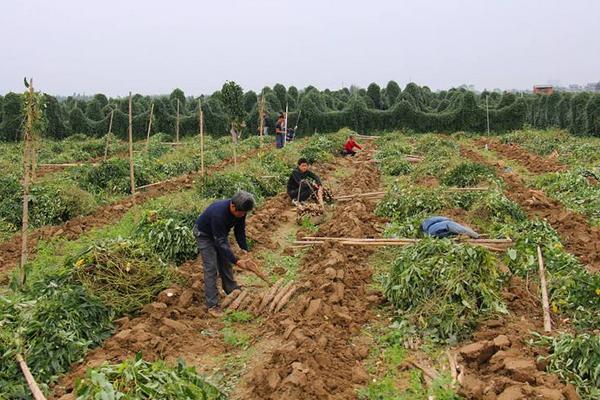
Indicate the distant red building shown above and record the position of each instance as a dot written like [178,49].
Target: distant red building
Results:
[543,89]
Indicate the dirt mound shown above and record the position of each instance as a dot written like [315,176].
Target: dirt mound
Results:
[532,162]
[578,236]
[500,364]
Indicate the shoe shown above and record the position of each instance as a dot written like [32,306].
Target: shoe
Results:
[215,312]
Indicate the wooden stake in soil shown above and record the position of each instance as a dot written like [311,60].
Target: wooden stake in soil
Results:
[35,390]
[130,131]
[234,140]
[261,119]
[545,304]
[149,128]
[201,116]
[112,113]
[177,124]
[26,180]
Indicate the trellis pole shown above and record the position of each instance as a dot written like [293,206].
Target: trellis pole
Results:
[201,117]
[130,134]
[149,128]
[177,124]
[285,125]
[487,111]
[261,118]
[26,181]
[110,122]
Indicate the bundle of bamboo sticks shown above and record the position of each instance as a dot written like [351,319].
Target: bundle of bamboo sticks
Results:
[491,244]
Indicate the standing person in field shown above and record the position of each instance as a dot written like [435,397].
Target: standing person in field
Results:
[266,124]
[211,231]
[303,184]
[349,147]
[280,131]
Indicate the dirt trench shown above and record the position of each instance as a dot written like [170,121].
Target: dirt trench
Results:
[317,350]
[10,251]
[533,162]
[579,237]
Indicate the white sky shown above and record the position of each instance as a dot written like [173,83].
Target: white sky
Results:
[151,46]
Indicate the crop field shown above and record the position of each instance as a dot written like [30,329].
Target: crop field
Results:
[360,304]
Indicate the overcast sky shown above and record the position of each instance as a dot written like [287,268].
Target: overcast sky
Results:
[152,46]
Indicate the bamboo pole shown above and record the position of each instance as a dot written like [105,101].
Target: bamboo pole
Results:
[33,386]
[201,116]
[149,128]
[130,132]
[261,118]
[110,122]
[339,239]
[68,165]
[234,141]
[177,124]
[26,181]
[545,303]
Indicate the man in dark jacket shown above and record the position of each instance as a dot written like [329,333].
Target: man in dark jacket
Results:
[303,184]
[280,132]
[211,231]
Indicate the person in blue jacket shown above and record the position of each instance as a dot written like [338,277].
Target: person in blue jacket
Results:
[211,231]
[443,227]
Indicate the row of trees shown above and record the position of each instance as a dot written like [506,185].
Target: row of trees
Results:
[373,108]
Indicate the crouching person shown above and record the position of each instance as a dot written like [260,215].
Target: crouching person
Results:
[211,231]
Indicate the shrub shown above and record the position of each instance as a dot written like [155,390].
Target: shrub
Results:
[467,174]
[443,287]
[169,234]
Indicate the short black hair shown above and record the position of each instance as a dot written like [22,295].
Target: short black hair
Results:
[243,201]
[303,161]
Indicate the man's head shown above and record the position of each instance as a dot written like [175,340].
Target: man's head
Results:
[350,137]
[303,165]
[241,203]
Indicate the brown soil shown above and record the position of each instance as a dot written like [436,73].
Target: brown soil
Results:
[10,251]
[532,162]
[499,364]
[320,352]
[177,323]
[578,236]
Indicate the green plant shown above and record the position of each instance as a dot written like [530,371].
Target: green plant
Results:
[467,174]
[139,379]
[124,274]
[576,359]
[234,338]
[444,288]
[573,291]
[574,190]
[53,326]
[168,234]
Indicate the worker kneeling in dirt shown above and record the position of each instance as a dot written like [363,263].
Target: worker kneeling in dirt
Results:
[211,231]
[303,184]
[350,146]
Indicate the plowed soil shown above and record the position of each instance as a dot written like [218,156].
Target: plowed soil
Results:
[578,236]
[315,335]
[533,162]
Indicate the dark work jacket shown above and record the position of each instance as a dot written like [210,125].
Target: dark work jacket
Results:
[216,222]
[297,176]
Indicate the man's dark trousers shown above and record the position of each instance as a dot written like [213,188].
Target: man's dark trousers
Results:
[214,263]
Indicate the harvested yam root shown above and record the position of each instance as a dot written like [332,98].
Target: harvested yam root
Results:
[272,300]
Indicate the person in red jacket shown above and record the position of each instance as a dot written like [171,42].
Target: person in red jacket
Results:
[350,146]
